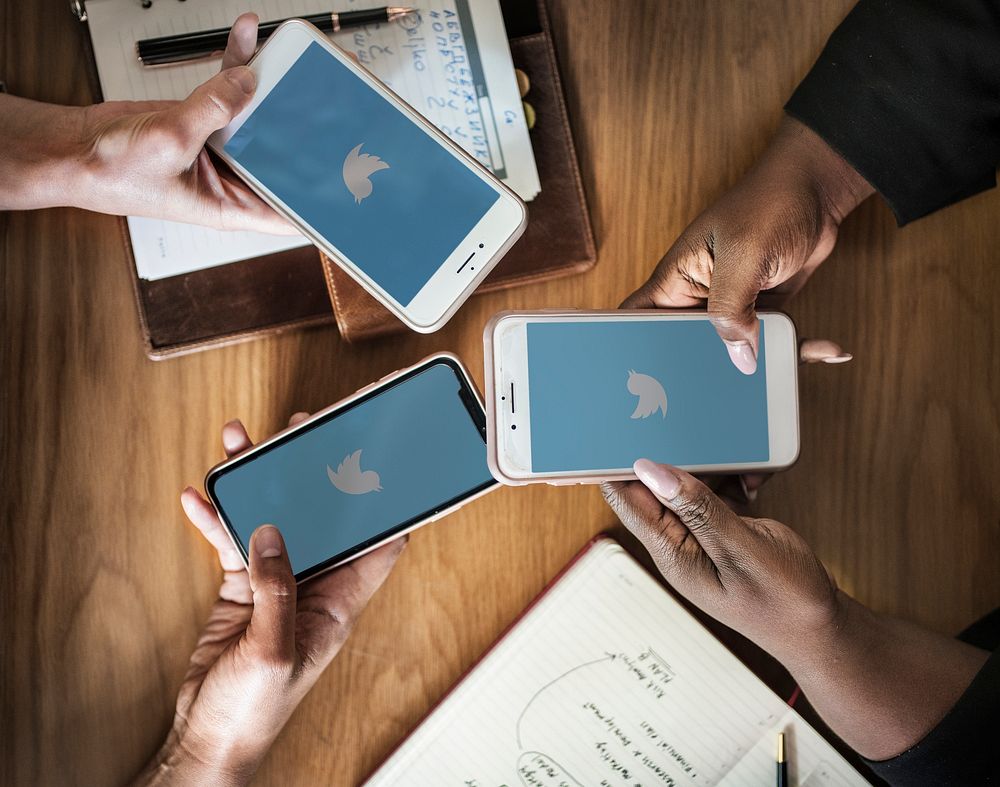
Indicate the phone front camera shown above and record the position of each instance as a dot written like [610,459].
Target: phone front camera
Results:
[513,426]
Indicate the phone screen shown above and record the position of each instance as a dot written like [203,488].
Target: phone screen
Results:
[361,173]
[354,478]
[603,394]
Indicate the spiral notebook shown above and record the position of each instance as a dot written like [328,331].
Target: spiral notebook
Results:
[607,680]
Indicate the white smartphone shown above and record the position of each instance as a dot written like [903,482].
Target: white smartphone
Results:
[405,211]
[402,452]
[577,397]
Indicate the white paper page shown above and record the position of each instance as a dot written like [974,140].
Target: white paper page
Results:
[425,65]
[451,62]
[810,763]
[608,681]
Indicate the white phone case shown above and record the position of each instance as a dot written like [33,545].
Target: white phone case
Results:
[489,361]
[380,383]
[352,270]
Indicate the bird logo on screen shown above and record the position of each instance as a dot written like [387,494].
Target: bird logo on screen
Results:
[350,478]
[357,168]
[651,395]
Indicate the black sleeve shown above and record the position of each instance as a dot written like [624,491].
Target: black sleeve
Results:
[908,91]
[962,749]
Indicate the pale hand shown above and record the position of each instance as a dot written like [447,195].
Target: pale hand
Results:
[137,158]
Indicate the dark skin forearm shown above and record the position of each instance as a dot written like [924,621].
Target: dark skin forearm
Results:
[882,684]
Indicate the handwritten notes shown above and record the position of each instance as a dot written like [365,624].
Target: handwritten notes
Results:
[608,681]
[451,61]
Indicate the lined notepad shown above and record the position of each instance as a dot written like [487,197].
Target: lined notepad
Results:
[451,62]
[607,680]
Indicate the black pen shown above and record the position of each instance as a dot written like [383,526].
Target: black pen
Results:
[782,763]
[208,43]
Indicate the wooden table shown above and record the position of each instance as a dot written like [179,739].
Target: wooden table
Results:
[105,586]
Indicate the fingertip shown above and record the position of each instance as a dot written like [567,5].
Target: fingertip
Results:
[297,418]
[742,355]
[661,480]
[188,499]
[192,501]
[267,542]
[749,491]
[235,437]
[822,351]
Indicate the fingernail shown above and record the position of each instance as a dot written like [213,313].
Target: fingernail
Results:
[742,356]
[661,482]
[243,77]
[267,541]
[748,493]
[842,358]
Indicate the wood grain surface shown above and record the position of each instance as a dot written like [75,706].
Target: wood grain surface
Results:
[105,586]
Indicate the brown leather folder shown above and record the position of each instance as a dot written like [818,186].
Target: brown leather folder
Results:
[558,241]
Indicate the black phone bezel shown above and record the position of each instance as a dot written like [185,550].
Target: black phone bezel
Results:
[472,406]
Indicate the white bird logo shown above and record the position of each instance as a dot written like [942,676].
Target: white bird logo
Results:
[651,395]
[350,478]
[357,167]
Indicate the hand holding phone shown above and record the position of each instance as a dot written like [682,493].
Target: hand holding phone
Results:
[408,214]
[400,453]
[577,397]
[265,644]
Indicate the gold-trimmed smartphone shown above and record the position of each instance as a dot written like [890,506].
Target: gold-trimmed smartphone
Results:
[576,397]
[402,452]
[405,211]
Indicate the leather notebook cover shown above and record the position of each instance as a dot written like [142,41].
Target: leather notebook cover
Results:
[230,303]
[558,241]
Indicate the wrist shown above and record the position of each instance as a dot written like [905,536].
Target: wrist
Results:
[43,162]
[818,648]
[182,760]
[839,186]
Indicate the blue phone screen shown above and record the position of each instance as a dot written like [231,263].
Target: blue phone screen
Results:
[389,460]
[603,394]
[358,171]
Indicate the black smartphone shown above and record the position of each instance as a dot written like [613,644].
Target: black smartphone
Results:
[400,453]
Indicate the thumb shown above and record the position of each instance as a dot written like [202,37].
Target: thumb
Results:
[712,523]
[271,633]
[732,296]
[210,107]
